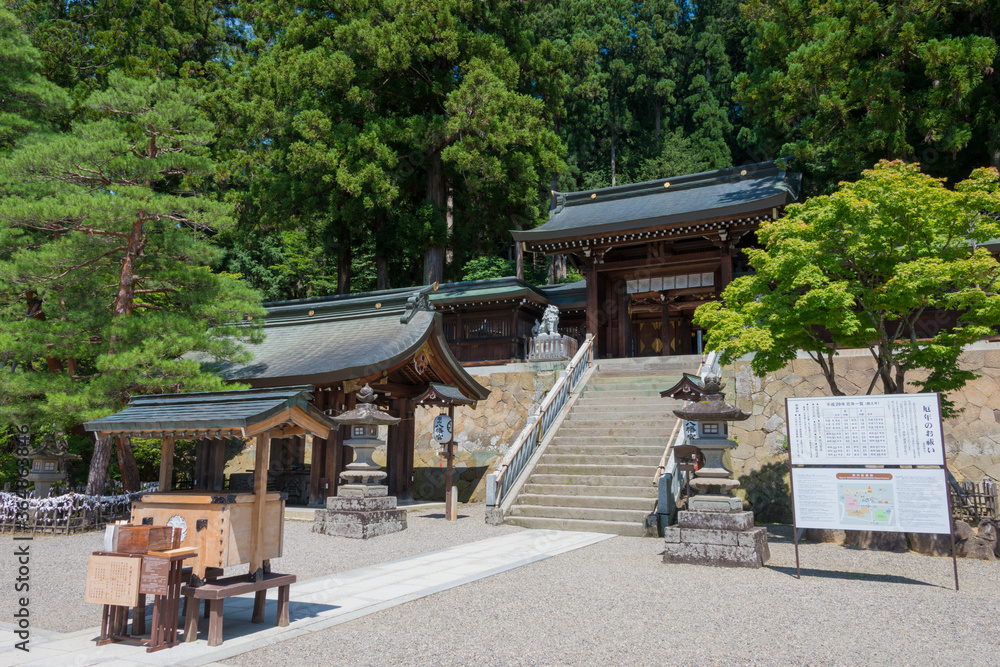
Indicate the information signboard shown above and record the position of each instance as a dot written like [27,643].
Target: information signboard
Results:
[893,500]
[113,580]
[895,429]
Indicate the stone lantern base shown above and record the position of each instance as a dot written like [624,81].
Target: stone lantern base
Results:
[723,539]
[360,511]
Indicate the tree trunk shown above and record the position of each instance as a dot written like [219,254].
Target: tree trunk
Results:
[125,298]
[126,462]
[557,269]
[344,266]
[99,467]
[613,143]
[437,194]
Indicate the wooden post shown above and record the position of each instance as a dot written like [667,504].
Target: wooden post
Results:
[665,325]
[261,461]
[622,300]
[394,450]
[166,462]
[409,439]
[450,501]
[218,446]
[592,298]
[726,272]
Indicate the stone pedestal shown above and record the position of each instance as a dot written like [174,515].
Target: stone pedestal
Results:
[721,539]
[360,513]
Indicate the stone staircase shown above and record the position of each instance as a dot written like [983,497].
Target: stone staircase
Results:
[597,472]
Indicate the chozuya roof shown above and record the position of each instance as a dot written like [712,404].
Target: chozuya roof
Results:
[239,410]
[366,411]
[326,340]
[712,407]
[710,194]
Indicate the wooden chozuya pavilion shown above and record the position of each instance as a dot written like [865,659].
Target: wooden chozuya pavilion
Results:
[653,252]
[224,528]
[393,340]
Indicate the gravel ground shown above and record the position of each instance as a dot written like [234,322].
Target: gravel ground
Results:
[616,603]
[59,564]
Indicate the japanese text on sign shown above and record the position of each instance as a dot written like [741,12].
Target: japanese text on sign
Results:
[901,429]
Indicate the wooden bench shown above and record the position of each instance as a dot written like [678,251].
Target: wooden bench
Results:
[215,592]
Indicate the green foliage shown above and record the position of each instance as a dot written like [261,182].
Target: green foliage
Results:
[105,277]
[27,100]
[841,84]
[859,268]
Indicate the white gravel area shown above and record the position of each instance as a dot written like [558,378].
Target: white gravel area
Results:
[59,564]
[616,603]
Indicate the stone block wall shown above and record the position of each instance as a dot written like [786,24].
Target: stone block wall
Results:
[483,434]
[972,438]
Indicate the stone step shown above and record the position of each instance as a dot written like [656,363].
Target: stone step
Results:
[659,383]
[608,527]
[598,460]
[614,447]
[587,513]
[644,505]
[648,491]
[607,428]
[599,470]
[593,480]
[599,398]
[626,414]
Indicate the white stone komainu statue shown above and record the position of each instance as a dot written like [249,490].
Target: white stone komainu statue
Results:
[547,343]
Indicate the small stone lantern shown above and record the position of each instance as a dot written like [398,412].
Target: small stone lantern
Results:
[48,465]
[714,530]
[362,507]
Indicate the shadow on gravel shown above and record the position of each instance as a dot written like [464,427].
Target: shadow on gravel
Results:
[441,516]
[856,576]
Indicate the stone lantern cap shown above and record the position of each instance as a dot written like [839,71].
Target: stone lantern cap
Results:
[366,412]
[712,406]
[52,449]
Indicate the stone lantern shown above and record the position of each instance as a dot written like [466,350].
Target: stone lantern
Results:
[362,507]
[714,530]
[48,465]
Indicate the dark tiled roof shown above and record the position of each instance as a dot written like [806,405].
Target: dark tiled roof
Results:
[566,295]
[332,348]
[207,410]
[710,194]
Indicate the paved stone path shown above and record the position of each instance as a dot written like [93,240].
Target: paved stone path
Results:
[315,604]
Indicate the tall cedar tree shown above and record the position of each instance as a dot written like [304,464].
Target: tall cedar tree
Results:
[396,123]
[105,277]
[843,83]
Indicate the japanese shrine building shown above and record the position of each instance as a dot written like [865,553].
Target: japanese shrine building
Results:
[653,252]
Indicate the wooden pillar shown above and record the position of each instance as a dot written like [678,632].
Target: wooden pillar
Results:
[622,302]
[665,325]
[684,335]
[166,462]
[726,262]
[261,461]
[200,462]
[394,449]
[592,296]
[450,501]
[218,476]
[334,452]
[408,428]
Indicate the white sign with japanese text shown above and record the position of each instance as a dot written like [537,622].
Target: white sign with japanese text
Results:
[893,429]
[887,500]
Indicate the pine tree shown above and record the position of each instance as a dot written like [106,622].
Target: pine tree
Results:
[106,286]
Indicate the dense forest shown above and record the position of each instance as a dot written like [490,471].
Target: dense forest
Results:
[166,165]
